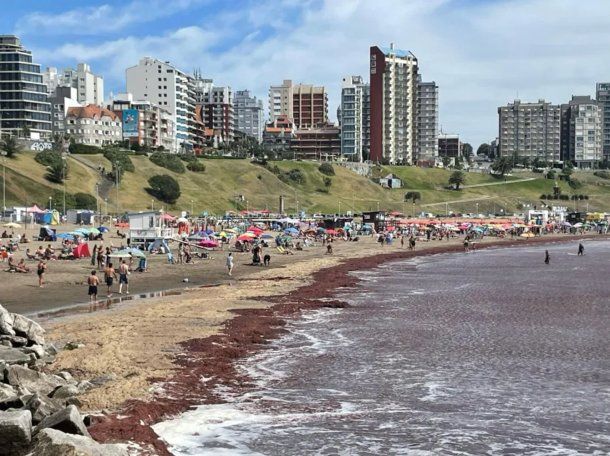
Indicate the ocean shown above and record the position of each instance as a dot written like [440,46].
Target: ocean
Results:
[492,352]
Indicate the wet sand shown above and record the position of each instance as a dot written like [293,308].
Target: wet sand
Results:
[159,350]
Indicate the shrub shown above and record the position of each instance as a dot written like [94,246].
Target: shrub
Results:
[296,175]
[84,201]
[602,174]
[168,161]
[327,168]
[57,171]
[75,148]
[574,183]
[10,146]
[121,158]
[47,157]
[328,182]
[195,166]
[164,188]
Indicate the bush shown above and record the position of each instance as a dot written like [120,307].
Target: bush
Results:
[550,174]
[164,188]
[115,156]
[84,201]
[602,174]
[327,168]
[10,146]
[47,157]
[168,161]
[196,166]
[296,175]
[574,183]
[75,148]
[328,182]
[57,171]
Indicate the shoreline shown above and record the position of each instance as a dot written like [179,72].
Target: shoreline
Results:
[249,330]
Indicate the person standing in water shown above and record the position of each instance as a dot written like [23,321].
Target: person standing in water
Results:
[581,249]
[93,281]
[123,280]
[109,276]
[547,257]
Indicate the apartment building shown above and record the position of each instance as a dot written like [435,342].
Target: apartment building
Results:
[249,115]
[354,116]
[449,146]
[582,131]
[89,86]
[393,75]
[530,130]
[24,109]
[164,85]
[280,100]
[602,95]
[93,125]
[309,106]
[61,100]
[316,143]
[219,113]
[427,122]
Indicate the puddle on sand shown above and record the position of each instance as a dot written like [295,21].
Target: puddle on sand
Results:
[108,303]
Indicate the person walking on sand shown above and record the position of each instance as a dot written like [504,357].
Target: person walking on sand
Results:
[93,281]
[109,276]
[547,257]
[412,243]
[40,270]
[402,241]
[230,264]
[123,280]
[581,249]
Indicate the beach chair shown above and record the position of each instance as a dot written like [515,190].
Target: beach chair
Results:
[281,249]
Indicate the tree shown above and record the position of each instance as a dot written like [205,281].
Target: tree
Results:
[456,179]
[84,201]
[10,146]
[328,182]
[412,196]
[566,172]
[446,161]
[466,150]
[550,174]
[164,188]
[57,171]
[502,166]
[484,149]
[327,168]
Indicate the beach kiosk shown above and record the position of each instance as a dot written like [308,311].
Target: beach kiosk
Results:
[148,228]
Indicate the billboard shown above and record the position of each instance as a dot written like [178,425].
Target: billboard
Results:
[130,123]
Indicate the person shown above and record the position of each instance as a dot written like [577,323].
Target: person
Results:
[230,263]
[547,257]
[411,242]
[329,249]
[100,258]
[581,249]
[267,259]
[21,266]
[123,273]
[109,276]
[94,255]
[466,244]
[40,270]
[402,241]
[93,281]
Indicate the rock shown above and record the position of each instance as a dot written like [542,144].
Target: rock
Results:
[67,376]
[32,380]
[64,392]
[66,420]
[73,345]
[9,397]
[6,322]
[13,356]
[6,343]
[103,379]
[32,330]
[85,386]
[50,349]
[51,442]
[38,350]
[75,401]
[19,341]
[41,407]
[15,431]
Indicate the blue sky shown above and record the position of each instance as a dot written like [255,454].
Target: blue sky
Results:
[482,53]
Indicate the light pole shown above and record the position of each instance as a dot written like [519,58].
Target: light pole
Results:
[63,178]
[192,209]
[97,202]
[50,203]
[106,208]
[117,178]
[152,204]
[3,181]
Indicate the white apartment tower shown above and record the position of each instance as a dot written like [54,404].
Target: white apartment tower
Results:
[163,84]
[249,117]
[427,122]
[393,105]
[280,100]
[89,86]
[355,117]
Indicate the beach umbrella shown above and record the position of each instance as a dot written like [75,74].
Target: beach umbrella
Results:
[267,236]
[12,225]
[208,243]
[291,231]
[136,252]
[94,231]
[246,237]
[102,229]
[68,236]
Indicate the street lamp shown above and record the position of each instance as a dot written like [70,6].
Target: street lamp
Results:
[50,203]
[192,208]
[63,177]
[3,153]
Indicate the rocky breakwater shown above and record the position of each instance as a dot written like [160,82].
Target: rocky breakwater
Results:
[39,413]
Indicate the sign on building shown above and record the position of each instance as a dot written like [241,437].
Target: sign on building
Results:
[130,123]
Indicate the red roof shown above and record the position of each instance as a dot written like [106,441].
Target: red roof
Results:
[91,112]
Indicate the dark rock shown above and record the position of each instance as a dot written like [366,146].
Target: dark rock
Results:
[103,379]
[41,407]
[15,431]
[9,397]
[6,322]
[13,356]
[74,401]
[67,376]
[51,442]
[32,330]
[66,420]
[19,341]
[32,380]
[73,345]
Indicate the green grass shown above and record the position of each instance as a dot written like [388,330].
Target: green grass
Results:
[216,190]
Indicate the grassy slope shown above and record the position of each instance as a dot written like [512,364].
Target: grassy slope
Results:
[215,189]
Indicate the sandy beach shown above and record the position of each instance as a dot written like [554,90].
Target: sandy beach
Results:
[153,353]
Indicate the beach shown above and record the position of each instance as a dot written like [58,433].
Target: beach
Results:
[154,352]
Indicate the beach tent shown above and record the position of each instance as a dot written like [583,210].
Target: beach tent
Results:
[34,210]
[168,217]
[81,251]
[55,219]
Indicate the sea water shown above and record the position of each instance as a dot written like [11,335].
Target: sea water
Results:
[492,352]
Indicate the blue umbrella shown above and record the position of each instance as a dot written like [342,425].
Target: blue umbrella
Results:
[65,236]
[291,230]
[102,229]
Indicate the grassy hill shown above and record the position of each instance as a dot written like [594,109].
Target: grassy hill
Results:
[224,181]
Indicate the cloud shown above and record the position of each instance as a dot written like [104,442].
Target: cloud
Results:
[480,53]
[100,19]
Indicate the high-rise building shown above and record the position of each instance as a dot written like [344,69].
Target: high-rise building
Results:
[249,116]
[393,105]
[427,122]
[219,113]
[166,86]
[23,100]
[280,100]
[582,131]
[354,117]
[309,106]
[530,130]
[322,142]
[449,146]
[89,87]
[602,94]
[61,100]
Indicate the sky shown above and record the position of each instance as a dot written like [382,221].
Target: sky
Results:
[481,53]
